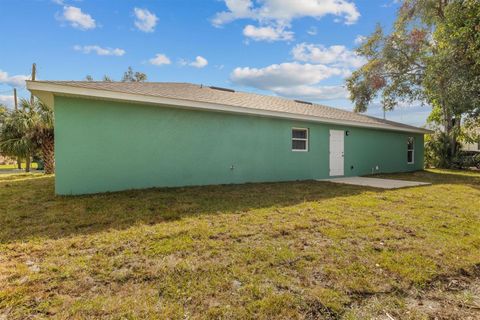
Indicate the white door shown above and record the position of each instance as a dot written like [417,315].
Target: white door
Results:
[336,152]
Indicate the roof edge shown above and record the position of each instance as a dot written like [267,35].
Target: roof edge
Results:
[39,88]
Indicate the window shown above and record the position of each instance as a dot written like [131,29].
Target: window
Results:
[410,150]
[299,139]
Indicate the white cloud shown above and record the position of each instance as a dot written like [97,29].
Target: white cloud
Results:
[334,55]
[313,92]
[359,39]
[77,18]
[237,9]
[286,10]
[6,100]
[267,33]
[275,16]
[277,77]
[302,80]
[160,59]
[293,80]
[100,51]
[145,20]
[199,62]
[13,81]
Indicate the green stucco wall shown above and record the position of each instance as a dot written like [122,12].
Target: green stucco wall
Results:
[108,146]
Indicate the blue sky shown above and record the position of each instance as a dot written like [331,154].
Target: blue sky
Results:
[299,49]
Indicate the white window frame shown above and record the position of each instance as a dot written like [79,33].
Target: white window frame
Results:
[412,150]
[300,139]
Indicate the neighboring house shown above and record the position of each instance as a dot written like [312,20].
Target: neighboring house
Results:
[6,160]
[471,146]
[475,146]
[115,136]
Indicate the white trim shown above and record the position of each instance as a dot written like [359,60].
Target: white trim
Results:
[301,139]
[412,150]
[40,88]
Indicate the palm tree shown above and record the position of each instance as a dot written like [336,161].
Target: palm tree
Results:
[43,134]
[28,130]
[16,135]
[3,113]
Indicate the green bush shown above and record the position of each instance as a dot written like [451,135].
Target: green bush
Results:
[438,153]
[466,159]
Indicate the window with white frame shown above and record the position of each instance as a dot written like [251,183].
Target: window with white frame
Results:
[410,149]
[299,139]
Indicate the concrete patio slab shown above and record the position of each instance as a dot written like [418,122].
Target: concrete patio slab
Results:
[376,182]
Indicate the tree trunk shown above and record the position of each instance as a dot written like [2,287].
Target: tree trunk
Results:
[455,131]
[27,164]
[450,133]
[19,163]
[48,153]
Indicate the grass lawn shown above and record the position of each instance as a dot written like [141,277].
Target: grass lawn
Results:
[297,250]
[14,166]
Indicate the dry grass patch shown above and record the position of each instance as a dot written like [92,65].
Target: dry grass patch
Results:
[298,250]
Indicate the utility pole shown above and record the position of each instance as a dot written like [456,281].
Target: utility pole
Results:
[15,98]
[15,101]
[34,75]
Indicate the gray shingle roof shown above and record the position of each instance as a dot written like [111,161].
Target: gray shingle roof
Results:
[198,93]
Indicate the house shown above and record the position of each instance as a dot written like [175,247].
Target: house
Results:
[113,136]
[6,160]
[473,146]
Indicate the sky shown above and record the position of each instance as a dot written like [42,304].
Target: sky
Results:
[297,49]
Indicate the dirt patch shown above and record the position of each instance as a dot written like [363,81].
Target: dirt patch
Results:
[444,298]
[449,298]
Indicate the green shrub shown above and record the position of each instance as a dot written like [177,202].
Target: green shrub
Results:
[466,159]
[438,152]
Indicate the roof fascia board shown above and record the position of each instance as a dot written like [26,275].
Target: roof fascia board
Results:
[36,87]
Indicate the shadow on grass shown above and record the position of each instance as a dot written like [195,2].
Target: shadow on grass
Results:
[29,209]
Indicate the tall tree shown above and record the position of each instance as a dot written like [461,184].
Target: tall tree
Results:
[27,131]
[3,113]
[16,135]
[43,134]
[106,78]
[430,56]
[458,55]
[3,117]
[130,76]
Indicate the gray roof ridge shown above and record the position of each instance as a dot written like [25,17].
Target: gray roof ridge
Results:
[312,106]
